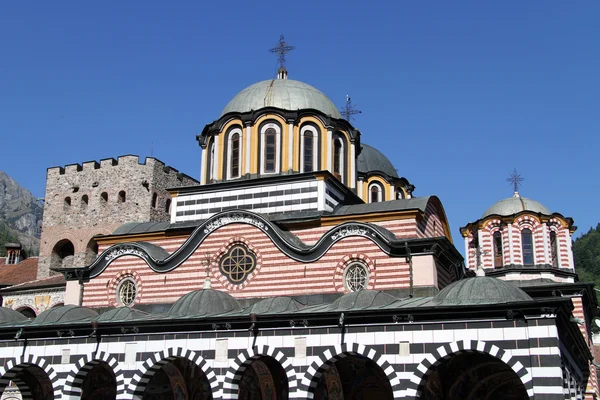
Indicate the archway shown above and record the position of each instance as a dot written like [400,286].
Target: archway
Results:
[32,382]
[472,376]
[91,252]
[27,311]
[99,383]
[263,379]
[62,254]
[178,379]
[353,377]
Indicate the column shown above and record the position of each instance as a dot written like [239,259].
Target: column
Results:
[467,255]
[353,166]
[217,171]
[203,167]
[359,189]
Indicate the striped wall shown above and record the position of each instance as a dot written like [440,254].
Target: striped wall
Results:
[531,348]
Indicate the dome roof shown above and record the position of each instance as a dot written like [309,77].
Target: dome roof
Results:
[203,302]
[515,204]
[362,299]
[121,314]
[8,315]
[286,94]
[480,290]
[370,159]
[274,305]
[64,314]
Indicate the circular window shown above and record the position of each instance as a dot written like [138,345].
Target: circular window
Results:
[237,264]
[356,277]
[126,292]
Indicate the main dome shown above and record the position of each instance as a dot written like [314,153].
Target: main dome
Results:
[371,159]
[514,205]
[286,94]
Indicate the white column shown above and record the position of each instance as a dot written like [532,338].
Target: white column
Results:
[329,150]
[203,167]
[467,255]
[217,166]
[481,249]
[546,234]
[290,146]
[359,189]
[248,134]
[353,166]
[511,251]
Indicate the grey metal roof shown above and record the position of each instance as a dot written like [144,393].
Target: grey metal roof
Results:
[122,314]
[370,160]
[8,315]
[130,228]
[480,290]
[415,203]
[286,94]
[514,205]
[204,302]
[361,299]
[274,305]
[64,314]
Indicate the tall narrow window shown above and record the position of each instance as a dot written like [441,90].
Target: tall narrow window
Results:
[338,161]
[235,156]
[527,245]
[84,201]
[211,162]
[498,261]
[554,249]
[270,150]
[375,193]
[122,197]
[154,199]
[308,152]
[168,206]
[104,197]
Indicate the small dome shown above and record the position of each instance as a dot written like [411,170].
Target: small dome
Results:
[274,305]
[286,94]
[514,205]
[370,159]
[204,302]
[8,315]
[362,299]
[121,314]
[480,290]
[64,314]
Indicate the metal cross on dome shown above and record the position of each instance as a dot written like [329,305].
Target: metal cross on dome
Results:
[515,180]
[281,50]
[349,109]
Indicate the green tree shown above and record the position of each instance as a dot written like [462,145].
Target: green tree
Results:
[586,252]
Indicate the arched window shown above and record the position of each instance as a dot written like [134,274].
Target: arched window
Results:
[84,201]
[168,206]
[399,193]
[554,249]
[67,202]
[122,197]
[234,156]
[308,148]
[211,162]
[338,158]
[375,193]
[270,150]
[154,199]
[527,246]
[104,197]
[498,261]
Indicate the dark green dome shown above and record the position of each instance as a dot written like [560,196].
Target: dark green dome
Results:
[8,315]
[274,305]
[204,302]
[372,160]
[480,290]
[121,314]
[362,299]
[64,314]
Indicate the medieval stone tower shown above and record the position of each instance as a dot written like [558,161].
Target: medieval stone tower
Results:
[83,201]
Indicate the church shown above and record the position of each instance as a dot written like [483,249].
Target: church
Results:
[300,265]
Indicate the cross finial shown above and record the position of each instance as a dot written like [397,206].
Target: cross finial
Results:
[349,110]
[515,180]
[281,50]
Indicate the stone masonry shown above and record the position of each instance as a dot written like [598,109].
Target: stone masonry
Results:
[94,198]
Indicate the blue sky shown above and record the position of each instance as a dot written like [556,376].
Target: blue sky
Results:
[456,94]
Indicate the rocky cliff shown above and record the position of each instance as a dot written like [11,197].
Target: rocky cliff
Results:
[21,212]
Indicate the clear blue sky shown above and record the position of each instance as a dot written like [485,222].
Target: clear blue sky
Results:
[456,94]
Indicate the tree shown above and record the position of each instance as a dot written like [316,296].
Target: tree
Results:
[586,252]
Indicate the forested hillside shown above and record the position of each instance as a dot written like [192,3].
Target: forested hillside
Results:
[586,251]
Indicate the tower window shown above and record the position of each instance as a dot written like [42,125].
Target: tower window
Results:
[498,261]
[308,152]
[122,197]
[84,200]
[338,158]
[211,163]
[235,156]
[554,249]
[375,193]
[154,199]
[270,149]
[104,197]
[527,246]
[67,202]
[168,206]
[308,148]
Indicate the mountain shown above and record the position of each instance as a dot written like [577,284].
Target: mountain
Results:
[20,215]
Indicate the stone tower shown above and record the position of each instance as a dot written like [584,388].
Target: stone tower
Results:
[95,198]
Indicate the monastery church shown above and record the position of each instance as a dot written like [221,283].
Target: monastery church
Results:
[300,265]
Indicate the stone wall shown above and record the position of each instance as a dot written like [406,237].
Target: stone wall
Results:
[94,198]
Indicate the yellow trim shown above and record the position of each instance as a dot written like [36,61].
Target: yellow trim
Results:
[296,150]
[372,217]
[254,156]
[322,139]
[389,189]
[137,237]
